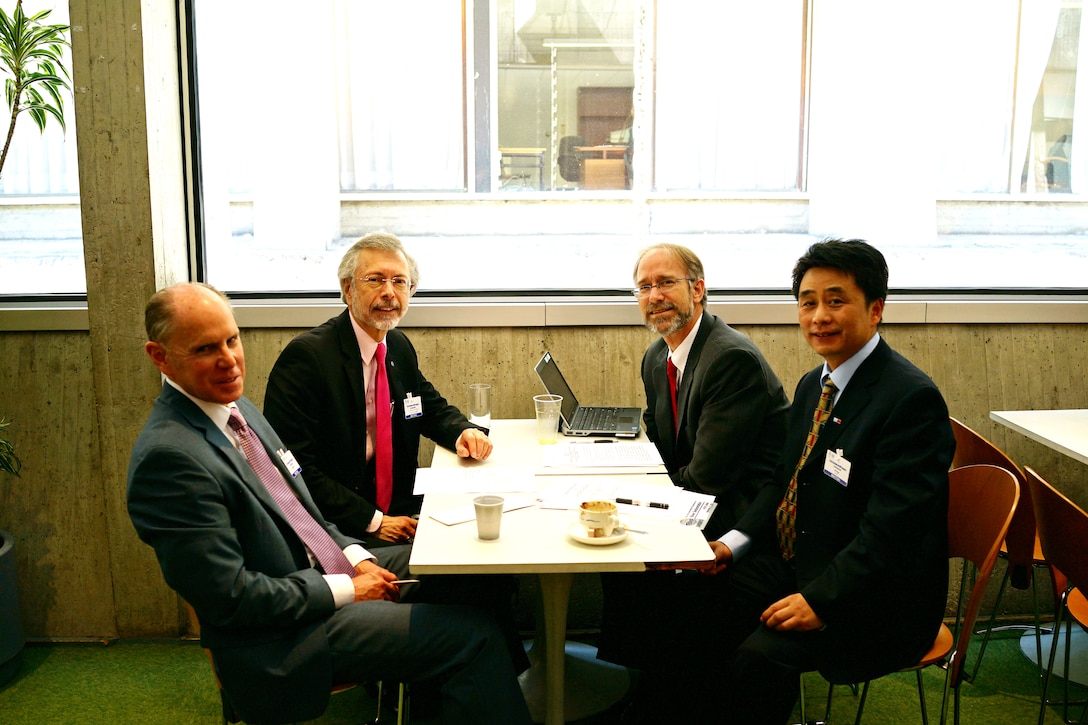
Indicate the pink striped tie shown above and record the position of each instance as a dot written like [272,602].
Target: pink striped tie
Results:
[383,423]
[313,535]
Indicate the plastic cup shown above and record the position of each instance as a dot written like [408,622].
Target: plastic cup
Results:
[547,417]
[488,516]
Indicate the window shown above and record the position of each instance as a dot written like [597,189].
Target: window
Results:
[547,140]
[41,239]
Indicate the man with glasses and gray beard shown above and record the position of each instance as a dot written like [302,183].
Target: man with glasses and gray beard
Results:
[717,413]
[322,400]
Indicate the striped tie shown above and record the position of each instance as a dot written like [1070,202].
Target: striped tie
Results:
[313,535]
[786,516]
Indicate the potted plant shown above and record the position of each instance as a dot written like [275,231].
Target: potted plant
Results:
[31,64]
[12,638]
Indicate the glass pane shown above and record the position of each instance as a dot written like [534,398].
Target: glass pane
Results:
[372,101]
[729,92]
[41,238]
[565,76]
[1047,166]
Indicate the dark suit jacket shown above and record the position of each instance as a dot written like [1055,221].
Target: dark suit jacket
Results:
[871,556]
[315,401]
[226,548]
[732,412]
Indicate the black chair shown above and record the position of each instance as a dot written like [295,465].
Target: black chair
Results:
[569,159]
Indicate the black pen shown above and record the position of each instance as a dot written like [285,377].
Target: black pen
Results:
[650,504]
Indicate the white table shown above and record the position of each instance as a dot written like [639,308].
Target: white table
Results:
[534,540]
[1065,431]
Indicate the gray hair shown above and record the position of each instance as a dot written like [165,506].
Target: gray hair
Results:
[383,241]
[693,266]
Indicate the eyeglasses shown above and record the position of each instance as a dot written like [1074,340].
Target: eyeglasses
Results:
[664,286]
[375,281]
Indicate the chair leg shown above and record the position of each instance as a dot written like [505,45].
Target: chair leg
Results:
[378,705]
[1053,654]
[402,704]
[969,674]
[922,697]
[861,702]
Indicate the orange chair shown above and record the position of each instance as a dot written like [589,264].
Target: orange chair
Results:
[229,716]
[981,503]
[1063,530]
[1021,548]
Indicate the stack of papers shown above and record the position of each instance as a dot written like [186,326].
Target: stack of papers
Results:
[604,453]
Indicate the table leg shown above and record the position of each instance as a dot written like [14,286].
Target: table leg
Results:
[555,593]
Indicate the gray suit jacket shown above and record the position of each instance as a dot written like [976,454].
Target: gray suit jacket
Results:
[732,412]
[227,549]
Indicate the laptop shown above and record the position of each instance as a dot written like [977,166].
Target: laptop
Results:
[582,420]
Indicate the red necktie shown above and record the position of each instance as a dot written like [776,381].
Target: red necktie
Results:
[670,369]
[313,534]
[383,424]
[787,509]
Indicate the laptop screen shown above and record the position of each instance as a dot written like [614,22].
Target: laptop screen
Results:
[554,383]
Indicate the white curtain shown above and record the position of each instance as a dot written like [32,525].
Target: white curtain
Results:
[985,128]
[400,84]
[728,94]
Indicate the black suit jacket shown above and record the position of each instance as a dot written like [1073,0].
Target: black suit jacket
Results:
[732,412]
[226,548]
[871,556]
[315,401]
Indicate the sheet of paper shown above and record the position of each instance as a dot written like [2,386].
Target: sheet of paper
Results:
[604,453]
[675,505]
[461,514]
[475,479]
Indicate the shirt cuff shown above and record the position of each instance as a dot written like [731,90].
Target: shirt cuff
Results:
[737,542]
[341,586]
[375,521]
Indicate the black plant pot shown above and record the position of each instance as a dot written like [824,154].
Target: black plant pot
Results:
[12,638]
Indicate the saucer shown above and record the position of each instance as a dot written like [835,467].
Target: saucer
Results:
[578,532]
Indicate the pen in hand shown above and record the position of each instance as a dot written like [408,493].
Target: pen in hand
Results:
[649,504]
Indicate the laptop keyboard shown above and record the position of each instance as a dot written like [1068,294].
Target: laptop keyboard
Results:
[594,419]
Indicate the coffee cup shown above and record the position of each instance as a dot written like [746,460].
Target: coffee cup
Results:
[599,518]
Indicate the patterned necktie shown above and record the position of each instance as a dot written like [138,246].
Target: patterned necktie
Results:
[313,535]
[670,370]
[383,423]
[786,516]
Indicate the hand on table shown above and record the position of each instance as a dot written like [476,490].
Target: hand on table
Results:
[473,443]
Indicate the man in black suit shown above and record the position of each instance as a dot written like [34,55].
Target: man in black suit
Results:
[242,541]
[841,564]
[319,388]
[720,435]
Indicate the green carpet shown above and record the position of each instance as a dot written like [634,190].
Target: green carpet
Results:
[171,682]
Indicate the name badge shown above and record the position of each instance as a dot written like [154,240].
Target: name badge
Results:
[837,467]
[413,406]
[289,462]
